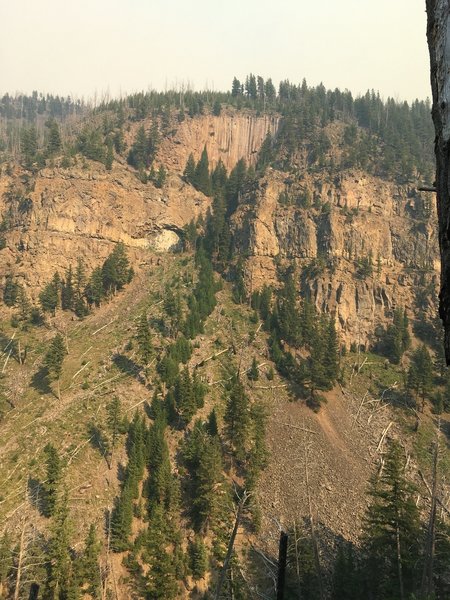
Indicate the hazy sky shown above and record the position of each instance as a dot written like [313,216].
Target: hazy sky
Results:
[82,47]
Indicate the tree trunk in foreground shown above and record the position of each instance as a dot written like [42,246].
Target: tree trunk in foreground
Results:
[438,35]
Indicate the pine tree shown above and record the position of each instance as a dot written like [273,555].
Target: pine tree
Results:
[237,418]
[202,180]
[392,531]
[89,572]
[144,339]
[152,143]
[211,426]
[116,269]
[161,577]
[10,291]
[23,304]
[198,558]
[60,571]
[235,87]
[420,373]
[219,178]
[50,295]
[253,373]
[235,185]
[94,291]
[54,360]
[29,145]
[67,291]
[289,323]
[258,454]
[203,457]
[80,277]
[121,519]
[185,400]
[109,155]
[331,355]
[53,476]
[189,170]
[54,144]
[161,177]
[137,156]
[114,422]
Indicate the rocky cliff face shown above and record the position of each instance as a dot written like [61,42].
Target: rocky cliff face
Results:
[331,228]
[363,245]
[229,136]
[63,214]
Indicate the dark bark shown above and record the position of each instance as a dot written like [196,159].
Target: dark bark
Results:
[438,35]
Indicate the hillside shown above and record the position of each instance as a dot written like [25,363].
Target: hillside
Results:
[243,286]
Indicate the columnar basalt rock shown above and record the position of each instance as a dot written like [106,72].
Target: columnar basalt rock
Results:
[229,137]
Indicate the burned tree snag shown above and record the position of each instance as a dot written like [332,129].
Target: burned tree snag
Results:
[438,35]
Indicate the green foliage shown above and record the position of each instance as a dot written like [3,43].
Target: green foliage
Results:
[61,576]
[161,177]
[95,291]
[237,418]
[202,179]
[122,514]
[420,373]
[364,266]
[288,315]
[142,152]
[202,455]
[163,489]
[54,143]
[302,570]
[67,291]
[239,291]
[203,299]
[198,558]
[161,578]
[144,339]
[253,373]
[189,170]
[396,339]
[185,402]
[345,576]
[89,571]
[29,145]
[49,297]
[258,455]
[90,143]
[116,270]
[54,358]
[10,291]
[53,475]
[392,531]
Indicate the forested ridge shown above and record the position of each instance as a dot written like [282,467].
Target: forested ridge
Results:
[153,390]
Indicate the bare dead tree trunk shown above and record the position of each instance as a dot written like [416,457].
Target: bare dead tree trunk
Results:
[438,35]
[226,562]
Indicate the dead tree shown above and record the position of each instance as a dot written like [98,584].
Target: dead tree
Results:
[438,35]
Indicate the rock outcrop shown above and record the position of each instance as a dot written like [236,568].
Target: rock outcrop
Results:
[63,214]
[229,136]
[363,245]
